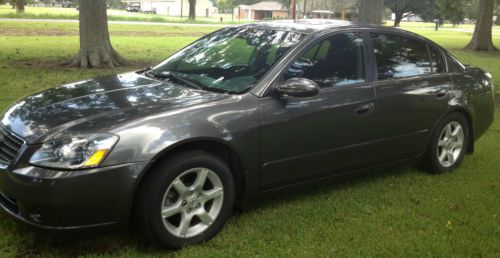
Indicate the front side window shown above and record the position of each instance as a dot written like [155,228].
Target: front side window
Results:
[438,65]
[400,57]
[333,62]
[231,60]
[453,65]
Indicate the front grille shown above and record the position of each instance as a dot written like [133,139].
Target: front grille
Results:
[9,146]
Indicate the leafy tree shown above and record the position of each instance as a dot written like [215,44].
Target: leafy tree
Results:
[403,8]
[371,11]
[20,6]
[482,39]
[226,4]
[115,4]
[96,50]
[452,10]
[343,6]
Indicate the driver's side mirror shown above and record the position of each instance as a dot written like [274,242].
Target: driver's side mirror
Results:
[298,87]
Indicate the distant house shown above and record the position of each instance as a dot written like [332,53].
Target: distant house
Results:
[408,17]
[204,8]
[260,11]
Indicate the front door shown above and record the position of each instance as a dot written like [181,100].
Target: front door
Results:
[305,138]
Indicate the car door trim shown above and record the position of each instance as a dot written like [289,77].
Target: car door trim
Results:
[265,164]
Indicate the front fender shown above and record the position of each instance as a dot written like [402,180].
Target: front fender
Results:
[232,121]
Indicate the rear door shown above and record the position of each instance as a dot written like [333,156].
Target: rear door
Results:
[413,90]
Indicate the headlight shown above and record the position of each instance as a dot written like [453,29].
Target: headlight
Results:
[74,153]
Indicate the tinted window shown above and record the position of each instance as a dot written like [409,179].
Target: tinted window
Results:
[453,65]
[438,65]
[399,57]
[335,61]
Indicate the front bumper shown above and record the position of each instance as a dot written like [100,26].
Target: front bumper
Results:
[70,200]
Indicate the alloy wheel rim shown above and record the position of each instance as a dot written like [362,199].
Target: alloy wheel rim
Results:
[450,144]
[192,202]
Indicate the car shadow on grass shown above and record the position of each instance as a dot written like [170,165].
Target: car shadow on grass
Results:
[29,243]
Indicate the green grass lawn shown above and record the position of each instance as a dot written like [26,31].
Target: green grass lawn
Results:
[399,212]
[113,15]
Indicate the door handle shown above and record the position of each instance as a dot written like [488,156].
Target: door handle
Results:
[365,109]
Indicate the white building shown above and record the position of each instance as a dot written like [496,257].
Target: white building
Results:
[408,17]
[204,8]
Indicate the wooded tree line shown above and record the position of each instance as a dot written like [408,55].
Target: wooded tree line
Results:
[454,11]
[96,50]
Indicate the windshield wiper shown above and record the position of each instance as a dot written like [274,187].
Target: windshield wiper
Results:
[173,77]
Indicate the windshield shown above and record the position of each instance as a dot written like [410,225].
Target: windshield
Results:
[230,60]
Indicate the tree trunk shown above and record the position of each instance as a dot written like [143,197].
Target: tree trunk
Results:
[20,6]
[397,19]
[371,11]
[13,4]
[95,46]
[192,9]
[482,39]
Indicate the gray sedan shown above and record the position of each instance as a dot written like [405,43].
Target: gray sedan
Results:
[242,112]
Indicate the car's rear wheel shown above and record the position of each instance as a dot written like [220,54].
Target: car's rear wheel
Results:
[448,145]
[185,200]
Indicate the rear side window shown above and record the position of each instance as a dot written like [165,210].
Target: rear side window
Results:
[400,57]
[438,65]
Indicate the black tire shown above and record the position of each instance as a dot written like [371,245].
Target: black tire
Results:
[431,162]
[151,194]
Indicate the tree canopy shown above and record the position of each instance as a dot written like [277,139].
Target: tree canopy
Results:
[403,8]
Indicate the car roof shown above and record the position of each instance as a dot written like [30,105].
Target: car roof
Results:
[308,26]
[303,26]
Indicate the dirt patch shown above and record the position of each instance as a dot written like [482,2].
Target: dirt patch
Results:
[36,32]
[60,64]
[61,32]
[156,34]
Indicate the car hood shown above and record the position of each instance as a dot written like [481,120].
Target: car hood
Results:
[60,108]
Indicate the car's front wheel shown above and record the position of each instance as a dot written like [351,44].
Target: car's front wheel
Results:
[185,200]
[448,145]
